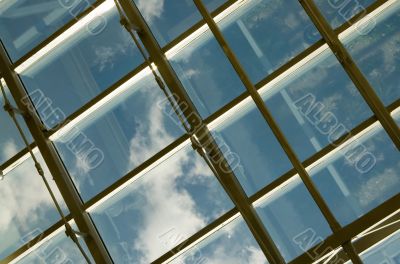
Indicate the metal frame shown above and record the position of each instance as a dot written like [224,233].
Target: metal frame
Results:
[53,161]
[343,234]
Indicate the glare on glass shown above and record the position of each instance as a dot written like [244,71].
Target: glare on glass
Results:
[360,176]
[160,209]
[81,68]
[206,74]
[26,206]
[233,243]
[24,24]
[377,53]
[293,219]
[251,149]
[266,34]
[315,104]
[169,19]
[118,137]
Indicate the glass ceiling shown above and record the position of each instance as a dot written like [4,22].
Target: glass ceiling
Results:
[140,181]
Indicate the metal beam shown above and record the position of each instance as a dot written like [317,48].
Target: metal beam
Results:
[305,177]
[218,163]
[350,231]
[359,80]
[53,161]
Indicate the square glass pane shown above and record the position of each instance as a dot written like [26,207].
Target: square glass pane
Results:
[293,220]
[315,104]
[377,53]
[168,19]
[24,24]
[386,251]
[58,249]
[360,176]
[118,137]
[265,34]
[233,244]
[25,205]
[82,67]
[338,12]
[251,148]
[173,200]
[10,140]
[207,74]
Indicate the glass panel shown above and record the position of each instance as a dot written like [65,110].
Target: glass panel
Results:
[293,219]
[27,210]
[59,249]
[82,67]
[233,244]
[207,75]
[167,205]
[339,11]
[316,104]
[118,137]
[360,176]
[377,53]
[385,252]
[267,34]
[24,24]
[251,149]
[10,141]
[168,19]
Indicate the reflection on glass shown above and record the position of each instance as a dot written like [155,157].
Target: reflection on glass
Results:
[81,67]
[168,19]
[160,209]
[386,251]
[293,219]
[251,149]
[59,249]
[360,176]
[24,24]
[207,75]
[118,137]
[10,140]
[233,244]
[267,34]
[315,104]
[338,12]
[25,206]
[377,53]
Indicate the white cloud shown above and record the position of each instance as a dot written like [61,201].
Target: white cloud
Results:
[24,199]
[170,214]
[151,9]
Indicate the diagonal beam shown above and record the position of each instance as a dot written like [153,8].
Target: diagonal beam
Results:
[199,130]
[305,177]
[352,70]
[53,161]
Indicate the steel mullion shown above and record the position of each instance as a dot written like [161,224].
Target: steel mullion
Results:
[203,135]
[359,80]
[53,162]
